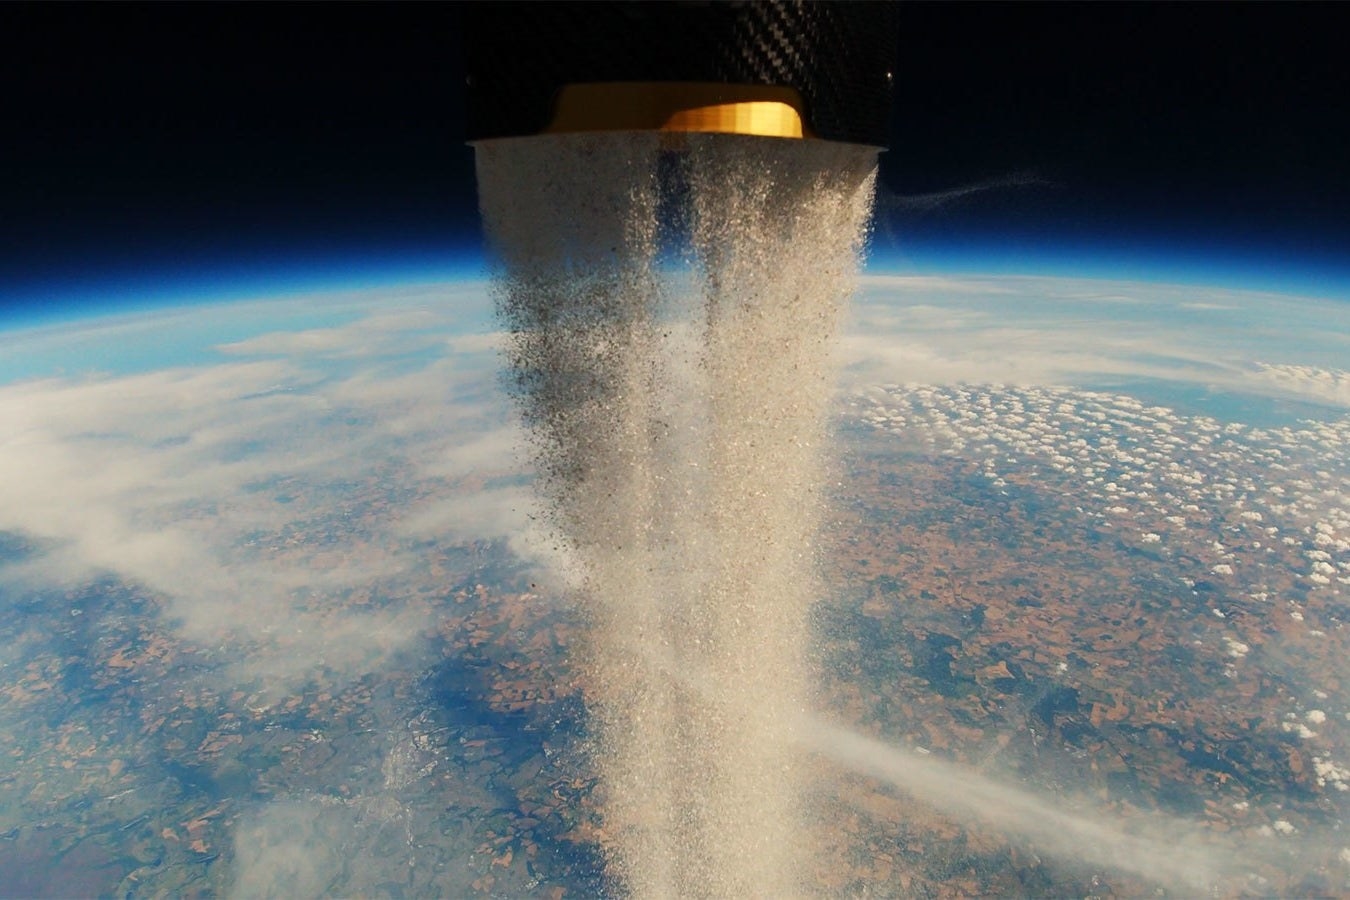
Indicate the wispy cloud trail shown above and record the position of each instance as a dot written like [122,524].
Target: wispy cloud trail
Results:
[1173,853]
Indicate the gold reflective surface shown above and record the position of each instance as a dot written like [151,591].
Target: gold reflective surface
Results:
[680,107]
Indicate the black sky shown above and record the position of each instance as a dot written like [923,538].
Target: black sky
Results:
[1219,124]
[145,138]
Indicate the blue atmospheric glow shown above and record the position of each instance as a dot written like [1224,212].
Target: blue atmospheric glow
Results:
[190,336]
[148,332]
[150,285]
[93,300]
[145,341]
[1306,272]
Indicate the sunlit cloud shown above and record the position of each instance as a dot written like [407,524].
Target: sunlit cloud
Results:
[1050,331]
[373,335]
[169,480]
[1331,386]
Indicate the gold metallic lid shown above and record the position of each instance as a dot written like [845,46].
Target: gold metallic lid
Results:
[675,106]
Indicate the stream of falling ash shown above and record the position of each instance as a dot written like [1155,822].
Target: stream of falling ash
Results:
[672,318]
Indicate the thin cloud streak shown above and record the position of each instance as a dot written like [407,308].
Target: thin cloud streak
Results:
[1173,853]
[933,201]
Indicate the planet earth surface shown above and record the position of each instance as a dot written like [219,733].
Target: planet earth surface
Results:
[277,617]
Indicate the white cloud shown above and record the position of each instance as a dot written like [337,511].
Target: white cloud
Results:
[380,333]
[1055,331]
[1331,386]
[168,479]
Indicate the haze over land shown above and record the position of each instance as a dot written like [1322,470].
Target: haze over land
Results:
[363,440]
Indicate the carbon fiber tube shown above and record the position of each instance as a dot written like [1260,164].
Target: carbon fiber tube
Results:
[784,68]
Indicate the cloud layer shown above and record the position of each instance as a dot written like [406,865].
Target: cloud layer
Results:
[1055,331]
[220,487]
[279,493]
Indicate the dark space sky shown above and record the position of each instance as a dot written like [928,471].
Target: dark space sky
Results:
[168,147]
[1136,131]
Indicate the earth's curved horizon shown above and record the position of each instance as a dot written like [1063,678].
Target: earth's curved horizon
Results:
[278,617]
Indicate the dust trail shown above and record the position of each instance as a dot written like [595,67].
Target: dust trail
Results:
[673,316]
[1180,855]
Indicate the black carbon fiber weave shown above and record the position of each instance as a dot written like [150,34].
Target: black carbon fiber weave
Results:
[838,55]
